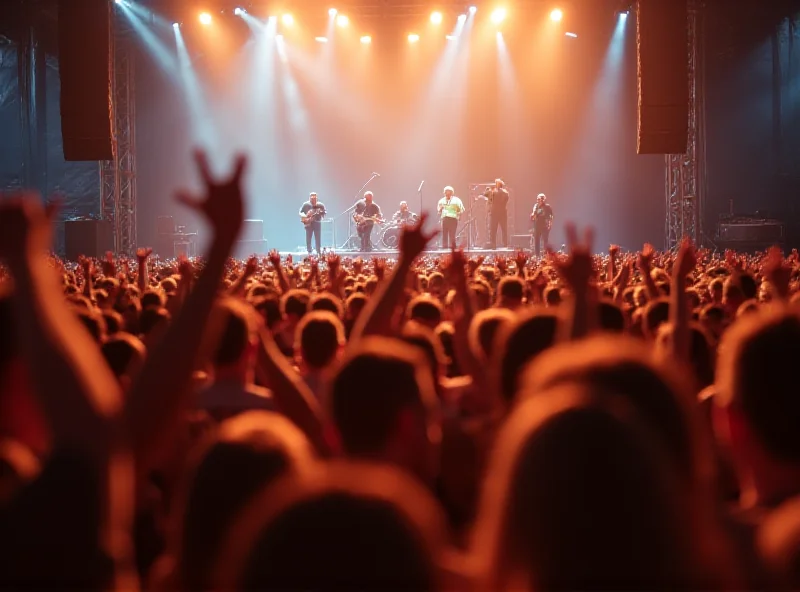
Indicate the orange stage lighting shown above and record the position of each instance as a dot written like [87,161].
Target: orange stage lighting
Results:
[413,38]
[205,18]
[287,19]
[436,17]
[498,15]
[342,20]
[332,12]
[556,15]
[366,39]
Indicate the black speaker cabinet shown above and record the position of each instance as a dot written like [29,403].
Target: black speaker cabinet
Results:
[252,230]
[91,238]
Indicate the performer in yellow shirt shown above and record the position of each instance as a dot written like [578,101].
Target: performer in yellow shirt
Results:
[450,210]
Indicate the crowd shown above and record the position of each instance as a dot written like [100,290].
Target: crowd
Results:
[625,421]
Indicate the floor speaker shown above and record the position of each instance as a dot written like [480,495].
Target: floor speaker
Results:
[662,45]
[91,238]
[84,61]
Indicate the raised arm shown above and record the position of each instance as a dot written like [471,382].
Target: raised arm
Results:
[161,393]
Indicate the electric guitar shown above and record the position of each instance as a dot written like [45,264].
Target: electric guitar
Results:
[312,216]
[362,221]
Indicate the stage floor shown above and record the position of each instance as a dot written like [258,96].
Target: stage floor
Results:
[385,253]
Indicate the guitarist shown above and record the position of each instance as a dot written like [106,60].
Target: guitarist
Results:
[311,214]
[367,213]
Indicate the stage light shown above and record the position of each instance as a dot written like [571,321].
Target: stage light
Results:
[413,38]
[623,15]
[342,20]
[451,37]
[332,12]
[321,39]
[205,18]
[473,9]
[118,1]
[287,19]
[238,11]
[436,17]
[573,35]
[498,15]
[556,15]
[366,39]
[462,18]
[176,25]
[272,20]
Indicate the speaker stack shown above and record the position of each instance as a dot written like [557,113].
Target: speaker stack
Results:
[84,30]
[662,41]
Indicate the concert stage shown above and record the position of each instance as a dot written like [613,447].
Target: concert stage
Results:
[387,254]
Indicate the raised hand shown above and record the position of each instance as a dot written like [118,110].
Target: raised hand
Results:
[109,267]
[251,266]
[413,239]
[25,226]
[686,260]
[223,203]
[379,267]
[274,258]
[521,259]
[142,253]
[646,257]
[778,274]
[577,268]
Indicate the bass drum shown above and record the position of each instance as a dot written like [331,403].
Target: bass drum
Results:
[391,237]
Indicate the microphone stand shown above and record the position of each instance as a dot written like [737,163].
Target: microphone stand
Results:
[350,218]
[419,192]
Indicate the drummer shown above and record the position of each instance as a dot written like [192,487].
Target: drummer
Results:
[404,215]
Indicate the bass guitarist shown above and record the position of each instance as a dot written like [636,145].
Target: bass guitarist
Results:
[311,214]
[366,215]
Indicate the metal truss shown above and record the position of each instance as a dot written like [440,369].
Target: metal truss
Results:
[685,173]
[118,176]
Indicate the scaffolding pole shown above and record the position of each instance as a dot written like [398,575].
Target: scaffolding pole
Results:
[118,176]
[685,173]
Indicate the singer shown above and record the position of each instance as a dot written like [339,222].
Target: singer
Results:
[450,209]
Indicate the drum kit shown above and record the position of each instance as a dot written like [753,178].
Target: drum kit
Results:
[389,237]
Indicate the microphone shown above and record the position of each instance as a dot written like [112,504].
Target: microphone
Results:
[420,186]
[376,174]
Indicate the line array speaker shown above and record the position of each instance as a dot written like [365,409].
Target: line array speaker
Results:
[84,28]
[662,45]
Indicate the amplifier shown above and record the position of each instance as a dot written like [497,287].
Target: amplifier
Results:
[252,230]
[768,231]
[91,238]
[520,241]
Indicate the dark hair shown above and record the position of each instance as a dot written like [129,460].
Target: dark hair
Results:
[152,299]
[94,323]
[245,454]
[318,337]
[152,317]
[270,309]
[347,527]
[426,310]
[656,313]
[120,350]
[236,336]
[365,415]
[295,303]
[511,287]
[757,373]
[113,320]
[327,302]
[612,319]
[518,344]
